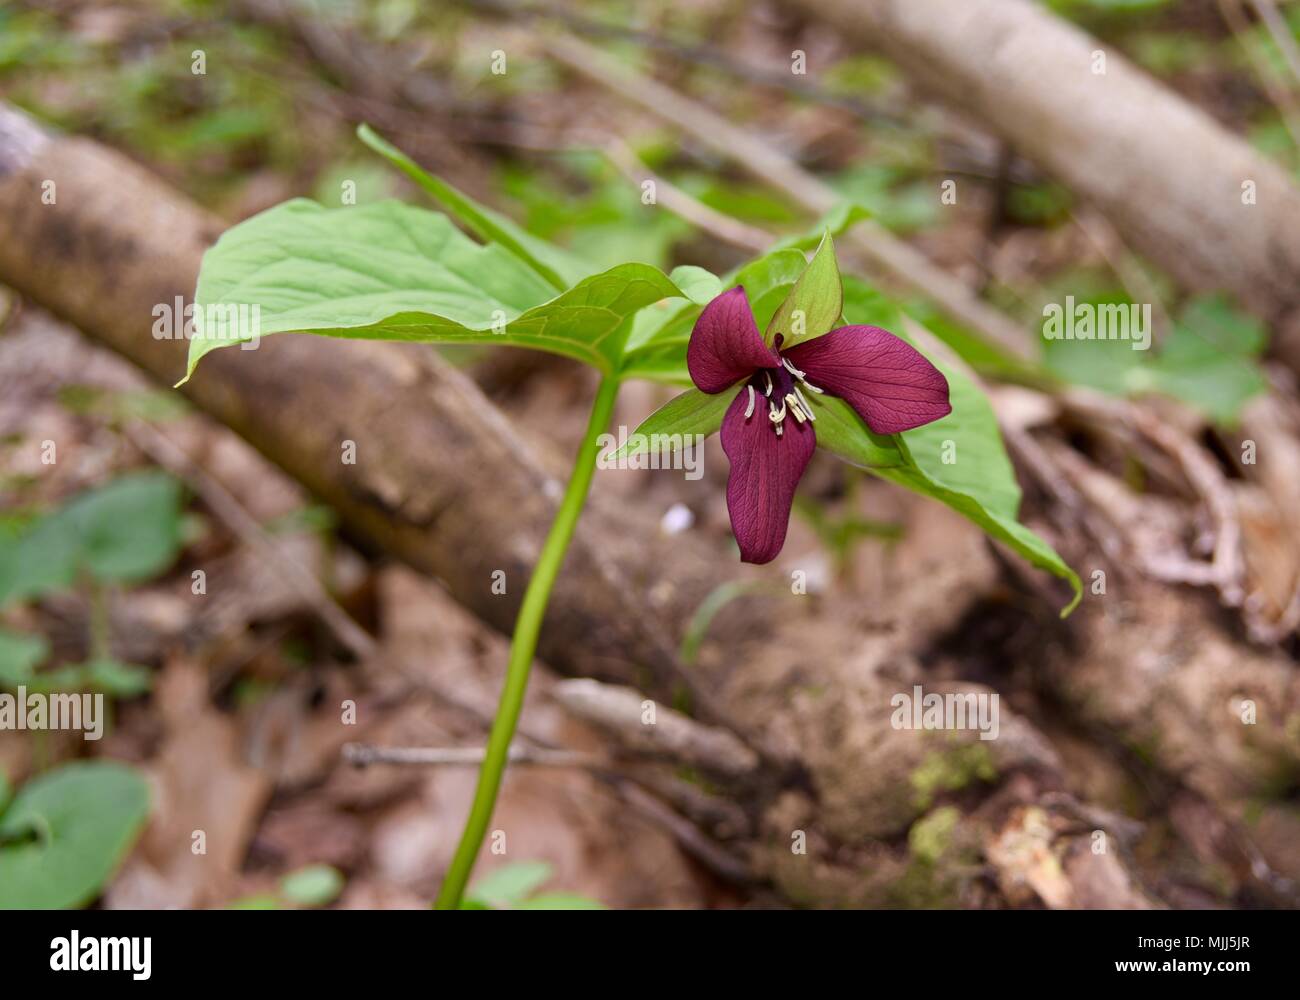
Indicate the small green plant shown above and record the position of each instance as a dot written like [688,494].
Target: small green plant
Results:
[1210,358]
[514,887]
[119,534]
[64,833]
[390,271]
[306,888]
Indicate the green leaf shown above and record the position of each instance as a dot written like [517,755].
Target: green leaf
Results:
[20,655]
[129,530]
[559,901]
[392,272]
[510,885]
[559,268]
[697,284]
[313,885]
[262,901]
[841,431]
[693,412]
[964,452]
[65,833]
[117,679]
[814,304]
[123,532]
[959,460]
[40,558]
[1209,359]
[656,346]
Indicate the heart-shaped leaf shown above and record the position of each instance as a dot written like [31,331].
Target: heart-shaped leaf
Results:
[64,834]
[388,271]
[123,532]
[510,885]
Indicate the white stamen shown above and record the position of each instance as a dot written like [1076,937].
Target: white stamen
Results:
[810,387]
[775,415]
[795,408]
[804,403]
[791,368]
[749,410]
[767,389]
[780,429]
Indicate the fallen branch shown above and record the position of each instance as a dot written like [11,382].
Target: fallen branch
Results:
[365,754]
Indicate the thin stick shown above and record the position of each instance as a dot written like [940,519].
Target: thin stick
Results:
[681,204]
[703,55]
[1280,32]
[224,504]
[365,754]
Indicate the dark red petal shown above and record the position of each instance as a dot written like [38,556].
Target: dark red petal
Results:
[725,344]
[887,380]
[765,469]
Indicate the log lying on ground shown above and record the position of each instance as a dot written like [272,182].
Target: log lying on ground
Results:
[1170,178]
[444,483]
[116,244]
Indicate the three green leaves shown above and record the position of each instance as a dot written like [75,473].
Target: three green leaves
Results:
[391,271]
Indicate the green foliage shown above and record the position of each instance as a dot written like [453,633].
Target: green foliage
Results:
[64,833]
[696,283]
[959,460]
[813,306]
[313,885]
[656,346]
[388,271]
[20,655]
[841,431]
[560,269]
[604,221]
[124,532]
[1209,360]
[309,887]
[693,412]
[514,887]
[897,202]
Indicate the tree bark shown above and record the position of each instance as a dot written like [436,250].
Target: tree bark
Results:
[440,478]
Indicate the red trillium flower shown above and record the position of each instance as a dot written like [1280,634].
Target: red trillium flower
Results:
[768,432]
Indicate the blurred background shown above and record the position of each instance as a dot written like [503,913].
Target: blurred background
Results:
[265,637]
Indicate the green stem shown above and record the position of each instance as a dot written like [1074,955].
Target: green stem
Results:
[522,647]
[100,639]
